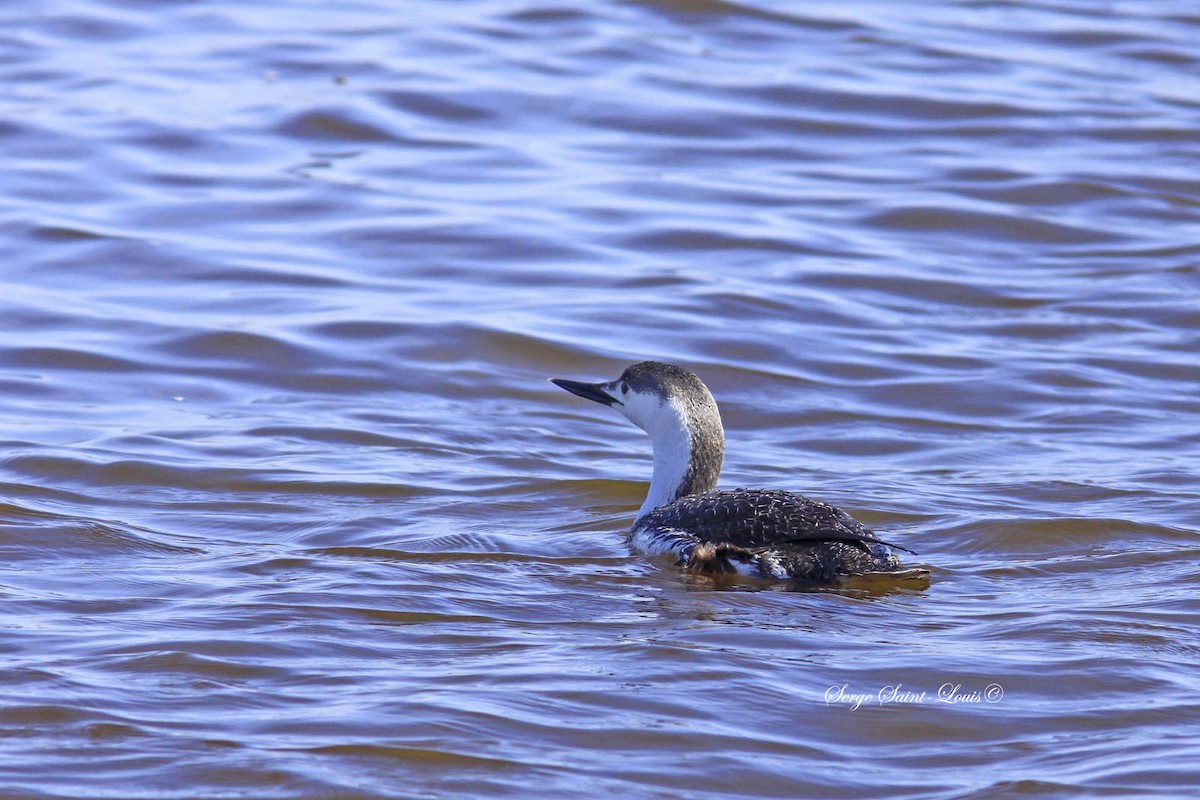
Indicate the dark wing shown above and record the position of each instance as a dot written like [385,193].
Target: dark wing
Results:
[754,518]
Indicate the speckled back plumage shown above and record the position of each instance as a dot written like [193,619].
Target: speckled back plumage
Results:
[771,532]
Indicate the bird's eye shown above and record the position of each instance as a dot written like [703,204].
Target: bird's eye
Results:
[624,387]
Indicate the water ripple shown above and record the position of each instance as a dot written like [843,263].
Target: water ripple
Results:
[289,509]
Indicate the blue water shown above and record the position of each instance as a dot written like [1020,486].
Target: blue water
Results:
[289,510]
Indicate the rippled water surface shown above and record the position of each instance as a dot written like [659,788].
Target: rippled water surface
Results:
[289,510]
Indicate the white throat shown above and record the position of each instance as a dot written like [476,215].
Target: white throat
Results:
[689,446]
[672,459]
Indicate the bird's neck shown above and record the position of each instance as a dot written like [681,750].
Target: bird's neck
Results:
[687,458]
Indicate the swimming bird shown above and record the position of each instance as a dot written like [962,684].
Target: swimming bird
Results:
[761,532]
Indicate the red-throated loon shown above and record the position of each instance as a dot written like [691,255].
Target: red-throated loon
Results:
[763,532]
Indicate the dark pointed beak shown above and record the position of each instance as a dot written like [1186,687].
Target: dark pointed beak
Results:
[588,391]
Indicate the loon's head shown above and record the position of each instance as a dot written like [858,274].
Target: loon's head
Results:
[677,410]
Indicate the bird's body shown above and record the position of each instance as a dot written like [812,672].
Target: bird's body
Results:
[762,532]
[770,533]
